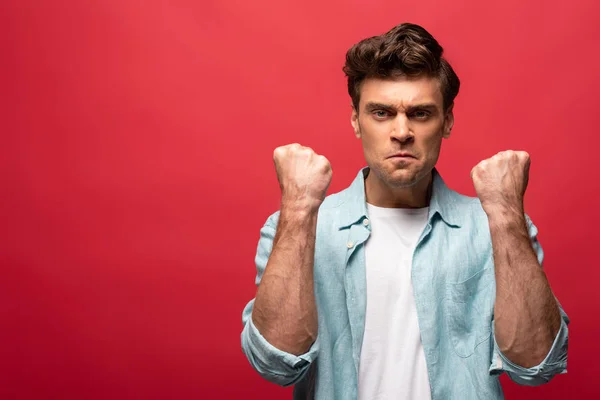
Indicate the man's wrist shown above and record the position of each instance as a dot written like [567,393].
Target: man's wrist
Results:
[299,209]
[508,218]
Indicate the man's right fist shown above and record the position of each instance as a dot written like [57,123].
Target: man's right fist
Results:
[303,175]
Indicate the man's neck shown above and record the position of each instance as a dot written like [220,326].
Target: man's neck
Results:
[379,194]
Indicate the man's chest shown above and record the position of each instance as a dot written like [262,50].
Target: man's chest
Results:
[451,275]
[438,256]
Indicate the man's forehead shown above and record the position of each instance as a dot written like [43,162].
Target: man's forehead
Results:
[401,92]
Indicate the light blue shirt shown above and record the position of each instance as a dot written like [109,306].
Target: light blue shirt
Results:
[454,287]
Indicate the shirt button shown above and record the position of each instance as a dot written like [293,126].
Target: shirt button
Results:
[350,245]
[366,221]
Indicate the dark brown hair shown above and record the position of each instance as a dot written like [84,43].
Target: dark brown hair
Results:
[406,50]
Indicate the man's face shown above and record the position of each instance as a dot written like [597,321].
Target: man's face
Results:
[401,123]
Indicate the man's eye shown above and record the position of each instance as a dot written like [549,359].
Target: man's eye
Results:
[380,114]
[421,114]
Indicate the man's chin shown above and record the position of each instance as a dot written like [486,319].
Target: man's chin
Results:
[401,183]
[399,179]
[403,178]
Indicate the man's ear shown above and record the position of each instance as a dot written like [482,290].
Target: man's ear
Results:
[354,122]
[448,122]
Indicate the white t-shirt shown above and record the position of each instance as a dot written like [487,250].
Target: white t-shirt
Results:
[392,361]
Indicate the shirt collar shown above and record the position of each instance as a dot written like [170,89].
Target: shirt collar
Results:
[444,201]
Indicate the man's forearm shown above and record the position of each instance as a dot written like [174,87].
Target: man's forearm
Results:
[284,309]
[526,313]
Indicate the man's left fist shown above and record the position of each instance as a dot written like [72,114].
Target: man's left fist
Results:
[500,181]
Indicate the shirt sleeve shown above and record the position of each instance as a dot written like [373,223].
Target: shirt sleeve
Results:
[556,360]
[271,363]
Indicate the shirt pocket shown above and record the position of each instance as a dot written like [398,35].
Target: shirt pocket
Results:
[469,307]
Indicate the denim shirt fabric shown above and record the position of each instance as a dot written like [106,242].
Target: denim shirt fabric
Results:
[454,287]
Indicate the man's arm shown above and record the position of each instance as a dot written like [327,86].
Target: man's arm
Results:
[281,323]
[526,314]
[273,364]
[529,335]
[284,310]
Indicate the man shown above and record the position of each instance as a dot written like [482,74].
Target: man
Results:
[398,287]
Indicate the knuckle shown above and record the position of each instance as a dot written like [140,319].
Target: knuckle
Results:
[293,147]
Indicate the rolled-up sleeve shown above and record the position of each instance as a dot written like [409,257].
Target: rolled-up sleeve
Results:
[271,363]
[555,361]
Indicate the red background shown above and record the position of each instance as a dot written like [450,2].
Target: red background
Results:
[136,171]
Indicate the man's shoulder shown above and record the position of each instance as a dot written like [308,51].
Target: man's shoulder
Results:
[335,200]
[468,208]
[459,209]
[465,202]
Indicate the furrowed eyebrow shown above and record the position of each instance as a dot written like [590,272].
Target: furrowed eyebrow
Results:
[379,106]
[422,107]
[369,107]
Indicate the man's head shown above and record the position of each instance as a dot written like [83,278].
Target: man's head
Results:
[402,94]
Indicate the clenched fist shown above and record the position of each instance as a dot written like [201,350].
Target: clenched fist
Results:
[501,181]
[303,175]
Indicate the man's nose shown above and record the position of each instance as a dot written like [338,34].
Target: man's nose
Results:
[401,130]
